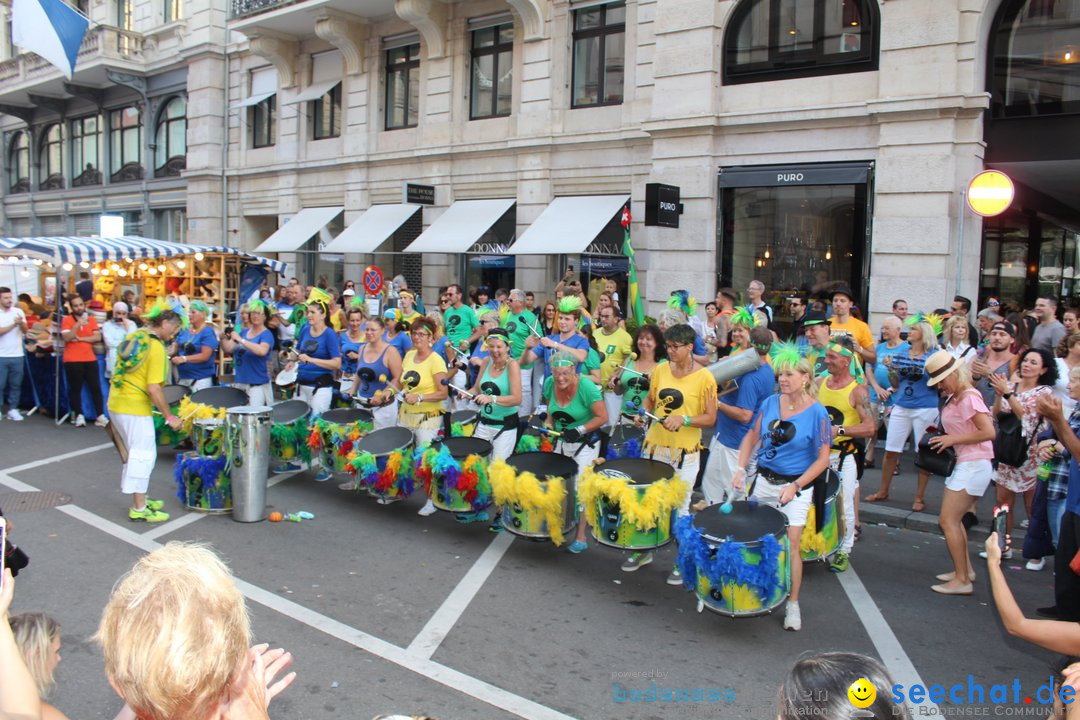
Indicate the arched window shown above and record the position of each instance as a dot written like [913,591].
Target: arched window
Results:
[51,159]
[125,145]
[1035,59]
[776,39]
[19,162]
[170,139]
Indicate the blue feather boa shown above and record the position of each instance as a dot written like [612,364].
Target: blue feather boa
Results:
[199,481]
[726,564]
[632,449]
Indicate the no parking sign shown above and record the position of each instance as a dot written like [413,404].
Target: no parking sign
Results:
[372,280]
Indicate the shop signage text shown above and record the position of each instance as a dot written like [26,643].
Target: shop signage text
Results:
[662,206]
[416,194]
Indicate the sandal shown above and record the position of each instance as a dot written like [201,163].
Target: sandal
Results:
[918,506]
[876,497]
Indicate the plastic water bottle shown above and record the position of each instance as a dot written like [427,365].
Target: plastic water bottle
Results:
[1044,471]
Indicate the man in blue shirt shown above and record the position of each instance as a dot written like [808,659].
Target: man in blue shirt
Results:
[735,412]
[1066,582]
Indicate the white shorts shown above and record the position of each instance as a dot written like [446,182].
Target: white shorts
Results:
[972,477]
[385,416]
[716,483]
[902,421]
[526,406]
[502,440]
[795,511]
[613,403]
[317,399]
[196,385]
[257,394]
[580,453]
[138,434]
[424,430]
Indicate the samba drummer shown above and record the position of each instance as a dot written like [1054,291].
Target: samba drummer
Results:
[521,324]
[575,414]
[567,339]
[318,356]
[632,379]
[682,395]
[351,339]
[423,373]
[791,436]
[497,391]
[377,365]
[196,346]
[250,347]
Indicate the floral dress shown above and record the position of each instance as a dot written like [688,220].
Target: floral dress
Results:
[1022,479]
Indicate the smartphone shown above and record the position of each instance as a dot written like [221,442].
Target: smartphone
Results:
[1001,516]
[3,548]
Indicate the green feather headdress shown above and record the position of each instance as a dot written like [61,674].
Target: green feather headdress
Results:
[199,306]
[743,317]
[932,319]
[785,355]
[161,306]
[682,301]
[256,306]
[570,304]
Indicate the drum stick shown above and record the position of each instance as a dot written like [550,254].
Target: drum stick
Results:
[466,393]
[547,431]
[626,366]
[645,413]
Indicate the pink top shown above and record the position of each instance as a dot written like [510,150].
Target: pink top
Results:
[958,417]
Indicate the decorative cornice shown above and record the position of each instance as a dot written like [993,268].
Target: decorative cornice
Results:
[347,36]
[429,17]
[532,16]
[281,53]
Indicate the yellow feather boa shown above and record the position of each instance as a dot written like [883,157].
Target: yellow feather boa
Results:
[189,412]
[643,510]
[508,487]
[812,542]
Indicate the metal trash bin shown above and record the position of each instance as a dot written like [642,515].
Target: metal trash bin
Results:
[247,439]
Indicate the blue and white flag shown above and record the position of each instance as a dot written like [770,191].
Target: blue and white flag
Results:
[50,28]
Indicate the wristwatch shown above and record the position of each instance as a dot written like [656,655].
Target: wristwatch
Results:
[841,431]
[1007,395]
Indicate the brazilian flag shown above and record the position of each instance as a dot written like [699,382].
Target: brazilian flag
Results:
[633,294]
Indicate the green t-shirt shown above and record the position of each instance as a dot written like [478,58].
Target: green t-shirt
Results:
[592,361]
[578,411]
[635,388]
[496,386]
[518,324]
[459,323]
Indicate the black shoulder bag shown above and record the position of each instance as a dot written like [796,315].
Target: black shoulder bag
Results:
[927,458]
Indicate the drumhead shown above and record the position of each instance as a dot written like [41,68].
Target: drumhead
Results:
[175,393]
[462,447]
[543,464]
[832,486]
[209,422]
[464,416]
[385,441]
[220,397]
[346,416]
[745,523]
[639,471]
[289,411]
[623,433]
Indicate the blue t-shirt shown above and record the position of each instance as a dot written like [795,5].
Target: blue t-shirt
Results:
[249,368]
[401,341]
[913,391]
[324,347]
[189,343]
[576,341]
[348,365]
[790,446]
[441,347]
[754,387]
[881,372]
[699,346]
[1072,496]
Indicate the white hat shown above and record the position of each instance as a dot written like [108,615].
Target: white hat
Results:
[347,291]
[120,306]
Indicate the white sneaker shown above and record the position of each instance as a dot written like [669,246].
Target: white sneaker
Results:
[1007,555]
[792,617]
[1035,565]
[80,421]
[428,509]
[1024,523]
[15,415]
[102,421]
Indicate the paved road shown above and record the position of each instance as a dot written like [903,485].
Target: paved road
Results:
[389,612]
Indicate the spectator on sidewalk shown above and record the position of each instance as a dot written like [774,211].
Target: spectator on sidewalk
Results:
[80,331]
[13,329]
[1049,332]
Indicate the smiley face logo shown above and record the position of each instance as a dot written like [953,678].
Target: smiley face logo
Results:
[862,693]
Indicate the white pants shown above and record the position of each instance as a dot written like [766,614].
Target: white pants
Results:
[538,385]
[586,457]
[902,421]
[613,403]
[527,397]
[502,441]
[196,385]
[138,434]
[426,431]
[318,400]
[849,487]
[345,384]
[686,465]
[716,483]
[796,510]
[257,394]
[386,415]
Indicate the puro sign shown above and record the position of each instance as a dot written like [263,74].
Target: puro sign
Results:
[662,206]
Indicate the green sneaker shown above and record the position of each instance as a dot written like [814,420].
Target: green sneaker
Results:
[147,515]
[839,562]
[154,504]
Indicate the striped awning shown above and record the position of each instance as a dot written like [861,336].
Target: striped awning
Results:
[77,249]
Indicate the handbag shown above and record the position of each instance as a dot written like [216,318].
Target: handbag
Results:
[937,463]
[1010,445]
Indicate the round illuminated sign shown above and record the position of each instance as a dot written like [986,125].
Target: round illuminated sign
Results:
[990,193]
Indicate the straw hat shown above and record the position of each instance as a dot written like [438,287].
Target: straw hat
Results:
[939,366]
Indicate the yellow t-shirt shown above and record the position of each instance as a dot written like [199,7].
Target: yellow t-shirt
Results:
[132,397]
[678,396]
[855,328]
[616,348]
[420,378]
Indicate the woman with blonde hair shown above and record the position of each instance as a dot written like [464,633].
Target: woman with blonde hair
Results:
[38,638]
[954,338]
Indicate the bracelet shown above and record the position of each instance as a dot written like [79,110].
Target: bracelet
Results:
[686,421]
[169,417]
[1006,395]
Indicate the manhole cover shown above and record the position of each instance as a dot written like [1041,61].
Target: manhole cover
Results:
[30,501]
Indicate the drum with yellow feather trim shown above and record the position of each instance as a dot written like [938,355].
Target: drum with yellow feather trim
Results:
[822,545]
[535,494]
[630,502]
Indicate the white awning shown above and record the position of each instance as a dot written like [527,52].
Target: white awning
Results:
[312,92]
[367,232]
[299,229]
[263,85]
[569,225]
[325,74]
[458,229]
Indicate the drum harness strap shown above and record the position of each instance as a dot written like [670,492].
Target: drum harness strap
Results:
[818,487]
[510,422]
[589,440]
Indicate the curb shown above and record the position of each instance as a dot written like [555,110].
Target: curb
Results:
[877,514]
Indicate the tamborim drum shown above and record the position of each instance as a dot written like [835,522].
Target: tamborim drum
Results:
[446,487]
[208,437]
[625,442]
[339,429]
[816,545]
[739,563]
[392,483]
[527,519]
[165,434]
[612,528]
[463,423]
[220,397]
[288,432]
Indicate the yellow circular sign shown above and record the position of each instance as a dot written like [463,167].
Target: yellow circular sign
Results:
[990,193]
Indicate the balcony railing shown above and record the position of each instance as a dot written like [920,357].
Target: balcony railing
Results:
[244,8]
[101,43]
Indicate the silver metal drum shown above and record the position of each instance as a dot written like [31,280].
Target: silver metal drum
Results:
[247,439]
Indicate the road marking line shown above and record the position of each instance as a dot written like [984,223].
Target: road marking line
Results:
[442,622]
[886,643]
[56,458]
[453,679]
[173,525]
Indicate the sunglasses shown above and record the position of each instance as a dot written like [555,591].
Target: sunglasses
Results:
[676,346]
